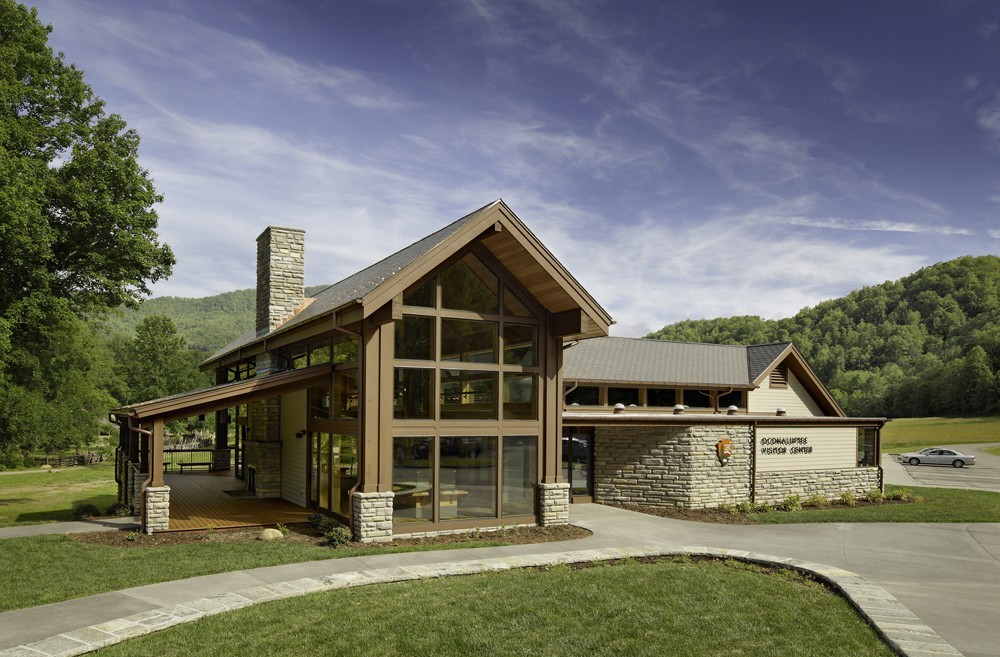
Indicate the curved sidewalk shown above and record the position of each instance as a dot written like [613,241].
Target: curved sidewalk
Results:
[75,626]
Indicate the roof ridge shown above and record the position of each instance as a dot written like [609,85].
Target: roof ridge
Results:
[707,344]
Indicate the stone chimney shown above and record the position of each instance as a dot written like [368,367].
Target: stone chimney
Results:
[280,276]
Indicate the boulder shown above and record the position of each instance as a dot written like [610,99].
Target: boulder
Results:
[270,534]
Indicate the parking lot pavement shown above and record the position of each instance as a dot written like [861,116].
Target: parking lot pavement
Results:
[984,475]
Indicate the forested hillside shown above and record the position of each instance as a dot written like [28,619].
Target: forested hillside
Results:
[927,344]
[207,323]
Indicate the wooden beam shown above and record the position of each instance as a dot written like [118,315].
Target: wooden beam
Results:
[156,454]
[368,466]
[568,322]
[389,312]
[350,317]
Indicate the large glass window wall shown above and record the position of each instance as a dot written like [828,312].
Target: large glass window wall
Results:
[459,477]
[466,397]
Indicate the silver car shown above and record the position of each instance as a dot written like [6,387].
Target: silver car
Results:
[938,456]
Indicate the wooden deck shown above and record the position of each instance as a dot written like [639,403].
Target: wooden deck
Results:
[198,500]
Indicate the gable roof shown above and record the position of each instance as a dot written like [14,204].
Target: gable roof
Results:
[760,358]
[636,360]
[640,361]
[503,234]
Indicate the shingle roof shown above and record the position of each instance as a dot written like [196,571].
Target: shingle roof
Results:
[635,360]
[760,357]
[364,282]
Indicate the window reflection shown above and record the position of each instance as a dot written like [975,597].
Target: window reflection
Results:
[520,473]
[412,479]
[468,477]
[468,395]
[469,285]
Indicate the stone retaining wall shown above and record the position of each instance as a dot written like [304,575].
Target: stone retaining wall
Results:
[671,465]
[774,487]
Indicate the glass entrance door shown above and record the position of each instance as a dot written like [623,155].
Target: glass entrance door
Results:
[577,461]
[333,466]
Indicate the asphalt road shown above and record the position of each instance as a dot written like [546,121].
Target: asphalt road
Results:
[984,475]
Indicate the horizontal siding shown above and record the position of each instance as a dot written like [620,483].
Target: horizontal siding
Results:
[832,448]
[795,399]
[293,450]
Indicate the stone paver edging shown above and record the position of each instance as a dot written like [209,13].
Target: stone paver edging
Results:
[897,625]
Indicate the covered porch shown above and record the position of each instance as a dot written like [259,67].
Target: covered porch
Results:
[191,499]
[217,499]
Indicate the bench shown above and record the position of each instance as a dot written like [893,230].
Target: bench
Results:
[196,464]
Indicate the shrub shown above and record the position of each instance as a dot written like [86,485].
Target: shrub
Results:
[85,511]
[315,519]
[847,498]
[727,508]
[336,536]
[815,500]
[281,527]
[791,503]
[875,496]
[745,507]
[902,494]
[763,507]
[119,510]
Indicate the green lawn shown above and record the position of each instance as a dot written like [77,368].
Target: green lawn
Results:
[37,570]
[939,505]
[51,495]
[993,450]
[911,433]
[677,608]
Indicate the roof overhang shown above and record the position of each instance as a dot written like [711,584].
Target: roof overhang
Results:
[628,418]
[575,314]
[206,400]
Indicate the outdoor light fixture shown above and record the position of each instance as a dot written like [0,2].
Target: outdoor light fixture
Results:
[300,434]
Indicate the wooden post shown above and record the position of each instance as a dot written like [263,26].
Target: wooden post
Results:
[370,365]
[156,454]
[552,399]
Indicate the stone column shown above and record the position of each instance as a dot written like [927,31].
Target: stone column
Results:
[156,507]
[220,460]
[372,516]
[135,479]
[553,504]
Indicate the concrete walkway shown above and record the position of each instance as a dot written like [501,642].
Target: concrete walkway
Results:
[948,575]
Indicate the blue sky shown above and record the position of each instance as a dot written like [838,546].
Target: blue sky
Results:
[682,159]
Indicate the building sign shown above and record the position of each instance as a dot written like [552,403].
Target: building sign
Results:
[724,450]
[777,445]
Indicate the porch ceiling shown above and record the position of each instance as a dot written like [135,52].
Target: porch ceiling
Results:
[206,400]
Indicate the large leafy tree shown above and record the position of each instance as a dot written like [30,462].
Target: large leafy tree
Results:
[77,224]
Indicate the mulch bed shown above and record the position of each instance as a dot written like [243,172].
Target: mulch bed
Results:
[724,517]
[303,533]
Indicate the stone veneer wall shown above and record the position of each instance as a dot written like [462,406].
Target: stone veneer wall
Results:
[774,487]
[134,481]
[157,508]
[372,516]
[280,275]
[221,460]
[671,465]
[263,445]
[553,504]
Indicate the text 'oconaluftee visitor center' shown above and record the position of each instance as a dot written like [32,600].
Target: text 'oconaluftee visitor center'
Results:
[467,381]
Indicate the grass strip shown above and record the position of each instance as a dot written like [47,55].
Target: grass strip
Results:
[909,434]
[938,505]
[681,608]
[32,498]
[38,570]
